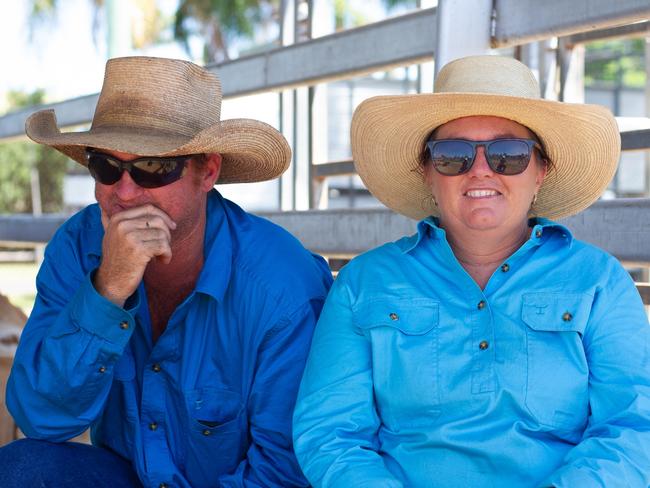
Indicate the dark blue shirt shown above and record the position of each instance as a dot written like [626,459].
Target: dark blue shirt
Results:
[210,403]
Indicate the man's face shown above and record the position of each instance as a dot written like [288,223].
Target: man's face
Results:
[183,200]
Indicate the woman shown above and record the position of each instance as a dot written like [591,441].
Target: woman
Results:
[491,348]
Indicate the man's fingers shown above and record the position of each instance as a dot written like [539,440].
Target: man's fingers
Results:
[159,248]
[148,212]
[155,222]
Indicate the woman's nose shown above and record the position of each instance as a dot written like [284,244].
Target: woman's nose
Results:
[480,166]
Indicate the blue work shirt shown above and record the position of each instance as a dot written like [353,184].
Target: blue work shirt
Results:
[417,377]
[210,403]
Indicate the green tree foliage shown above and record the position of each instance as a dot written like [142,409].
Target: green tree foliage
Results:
[218,21]
[17,159]
[619,63]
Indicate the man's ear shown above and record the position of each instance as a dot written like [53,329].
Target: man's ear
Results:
[211,172]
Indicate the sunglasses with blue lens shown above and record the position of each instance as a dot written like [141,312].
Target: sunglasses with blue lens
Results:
[452,157]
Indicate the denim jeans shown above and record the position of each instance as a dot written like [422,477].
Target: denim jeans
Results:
[28,463]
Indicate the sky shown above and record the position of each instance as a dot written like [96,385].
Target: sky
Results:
[61,56]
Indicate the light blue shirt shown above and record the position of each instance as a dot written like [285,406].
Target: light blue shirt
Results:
[210,403]
[417,377]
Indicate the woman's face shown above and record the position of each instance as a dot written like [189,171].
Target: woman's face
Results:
[482,199]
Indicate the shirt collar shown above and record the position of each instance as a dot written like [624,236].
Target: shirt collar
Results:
[217,249]
[94,234]
[542,229]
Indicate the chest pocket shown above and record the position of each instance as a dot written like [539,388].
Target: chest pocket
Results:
[403,336]
[557,384]
[217,434]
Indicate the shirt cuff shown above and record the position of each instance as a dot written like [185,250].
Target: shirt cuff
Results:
[101,317]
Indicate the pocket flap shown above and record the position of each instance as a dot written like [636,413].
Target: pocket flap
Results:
[213,407]
[412,316]
[556,312]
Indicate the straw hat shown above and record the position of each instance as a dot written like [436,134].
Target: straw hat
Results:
[167,107]
[389,133]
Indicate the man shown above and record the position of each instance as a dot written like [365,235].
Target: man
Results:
[168,320]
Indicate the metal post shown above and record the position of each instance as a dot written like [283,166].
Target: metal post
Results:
[647,112]
[571,61]
[322,22]
[463,29]
[287,37]
[118,29]
[425,70]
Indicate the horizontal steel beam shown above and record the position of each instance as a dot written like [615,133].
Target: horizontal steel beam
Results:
[635,140]
[644,291]
[26,230]
[640,29]
[621,227]
[76,111]
[523,21]
[339,168]
[398,41]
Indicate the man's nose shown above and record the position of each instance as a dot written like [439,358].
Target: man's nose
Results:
[126,188]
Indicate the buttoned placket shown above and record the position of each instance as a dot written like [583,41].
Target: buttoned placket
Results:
[152,406]
[483,379]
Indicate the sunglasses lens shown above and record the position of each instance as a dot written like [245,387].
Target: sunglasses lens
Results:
[147,173]
[104,169]
[451,157]
[154,173]
[508,157]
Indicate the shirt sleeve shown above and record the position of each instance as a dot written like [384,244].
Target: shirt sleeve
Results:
[335,421]
[63,369]
[615,449]
[270,460]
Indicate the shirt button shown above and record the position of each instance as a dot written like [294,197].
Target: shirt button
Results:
[153,426]
[207,432]
[483,345]
[538,233]
[505,268]
[394,316]
[156,368]
[481,305]
[162,485]
[124,325]
[567,317]
[102,369]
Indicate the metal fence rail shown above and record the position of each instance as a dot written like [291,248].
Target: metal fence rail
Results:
[621,227]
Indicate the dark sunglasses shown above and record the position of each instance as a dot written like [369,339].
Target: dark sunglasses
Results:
[147,172]
[452,157]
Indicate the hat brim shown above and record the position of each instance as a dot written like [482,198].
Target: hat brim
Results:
[251,150]
[388,134]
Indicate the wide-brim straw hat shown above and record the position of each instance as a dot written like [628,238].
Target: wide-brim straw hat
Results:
[389,133]
[168,107]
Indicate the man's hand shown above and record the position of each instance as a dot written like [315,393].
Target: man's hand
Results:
[132,239]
